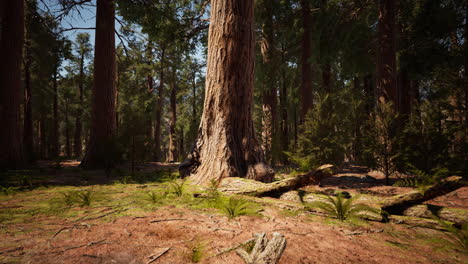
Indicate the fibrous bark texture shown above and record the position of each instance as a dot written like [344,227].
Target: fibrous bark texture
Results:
[103,124]
[265,251]
[386,57]
[11,54]
[78,148]
[158,110]
[226,145]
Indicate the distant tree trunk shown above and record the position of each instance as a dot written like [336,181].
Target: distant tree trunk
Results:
[172,155]
[306,68]
[326,77]
[28,135]
[42,137]
[404,96]
[466,64]
[150,89]
[67,131]
[386,57]
[11,54]
[78,123]
[226,144]
[103,121]
[284,108]
[159,109]
[269,91]
[368,94]
[55,130]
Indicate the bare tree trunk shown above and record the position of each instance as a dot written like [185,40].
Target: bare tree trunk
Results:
[55,128]
[284,109]
[326,77]
[78,123]
[28,134]
[103,123]
[226,144]
[306,68]
[150,89]
[172,155]
[466,66]
[11,54]
[159,109]
[386,57]
[67,131]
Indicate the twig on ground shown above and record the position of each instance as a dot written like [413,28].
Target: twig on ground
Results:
[156,256]
[11,250]
[170,219]
[227,250]
[99,242]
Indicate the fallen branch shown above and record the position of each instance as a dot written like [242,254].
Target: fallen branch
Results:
[11,250]
[156,256]
[167,220]
[400,203]
[275,189]
[99,242]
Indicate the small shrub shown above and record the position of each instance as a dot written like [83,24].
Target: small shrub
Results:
[85,198]
[234,207]
[8,190]
[213,189]
[69,198]
[196,251]
[177,187]
[407,182]
[153,197]
[342,208]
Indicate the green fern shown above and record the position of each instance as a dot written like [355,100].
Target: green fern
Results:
[153,197]
[8,190]
[85,198]
[342,208]
[234,207]
[407,182]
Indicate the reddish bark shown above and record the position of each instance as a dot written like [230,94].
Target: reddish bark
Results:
[11,54]
[306,68]
[226,144]
[103,123]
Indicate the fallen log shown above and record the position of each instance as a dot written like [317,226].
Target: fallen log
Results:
[236,185]
[456,216]
[400,203]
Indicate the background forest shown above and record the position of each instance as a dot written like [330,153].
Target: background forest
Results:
[321,67]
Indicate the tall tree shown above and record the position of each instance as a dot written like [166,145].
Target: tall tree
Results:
[28,134]
[172,155]
[226,144]
[159,108]
[103,123]
[306,68]
[83,48]
[386,57]
[11,52]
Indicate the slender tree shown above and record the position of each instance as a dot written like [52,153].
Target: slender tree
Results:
[28,134]
[83,49]
[11,54]
[226,144]
[159,108]
[306,68]
[172,155]
[103,123]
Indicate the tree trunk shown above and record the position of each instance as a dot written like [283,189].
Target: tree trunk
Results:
[67,132]
[55,151]
[172,155]
[226,144]
[368,94]
[159,109]
[11,54]
[386,57]
[150,89]
[284,109]
[28,134]
[264,251]
[466,66]
[269,93]
[306,68]
[78,124]
[326,77]
[103,123]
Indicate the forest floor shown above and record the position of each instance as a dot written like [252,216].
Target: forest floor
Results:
[138,219]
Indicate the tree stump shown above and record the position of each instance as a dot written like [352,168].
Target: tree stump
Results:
[265,251]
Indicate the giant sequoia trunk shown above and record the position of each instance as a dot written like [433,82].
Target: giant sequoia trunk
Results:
[386,58]
[226,144]
[306,68]
[11,53]
[103,123]
[78,123]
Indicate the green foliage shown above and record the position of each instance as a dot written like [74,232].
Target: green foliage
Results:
[197,250]
[10,190]
[85,198]
[234,207]
[318,143]
[342,208]
[69,198]
[406,182]
[153,197]
[177,187]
